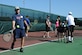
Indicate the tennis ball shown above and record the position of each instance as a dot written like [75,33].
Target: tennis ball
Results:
[18,26]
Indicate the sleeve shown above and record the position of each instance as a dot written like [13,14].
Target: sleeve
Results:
[13,18]
[67,18]
[29,21]
[24,18]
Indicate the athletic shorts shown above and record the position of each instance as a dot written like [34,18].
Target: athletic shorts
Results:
[71,28]
[19,33]
[47,29]
[60,29]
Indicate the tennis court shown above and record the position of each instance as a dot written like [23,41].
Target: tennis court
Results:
[50,48]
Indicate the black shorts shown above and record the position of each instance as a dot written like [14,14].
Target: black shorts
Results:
[47,29]
[71,28]
[62,29]
[65,29]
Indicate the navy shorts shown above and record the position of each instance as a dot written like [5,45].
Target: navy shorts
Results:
[19,33]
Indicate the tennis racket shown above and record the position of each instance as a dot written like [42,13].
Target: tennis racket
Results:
[51,28]
[7,36]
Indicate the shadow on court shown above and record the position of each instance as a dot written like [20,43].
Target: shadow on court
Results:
[2,48]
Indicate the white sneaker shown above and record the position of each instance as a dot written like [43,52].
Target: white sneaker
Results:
[48,37]
[26,35]
[69,38]
[44,36]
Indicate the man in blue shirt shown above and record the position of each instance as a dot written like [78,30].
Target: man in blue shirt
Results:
[27,20]
[29,24]
[18,27]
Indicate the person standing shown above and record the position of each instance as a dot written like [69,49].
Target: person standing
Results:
[18,21]
[27,27]
[71,25]
[48,25]
[57,25]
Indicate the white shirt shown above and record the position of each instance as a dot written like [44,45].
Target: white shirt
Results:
[70,20]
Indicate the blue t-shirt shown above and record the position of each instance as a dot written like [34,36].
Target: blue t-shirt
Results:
[19,19]
[28,21]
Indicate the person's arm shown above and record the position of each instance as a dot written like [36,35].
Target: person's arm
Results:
[25,23]
[13,25]
[66,20]
[48,23]
[29,22]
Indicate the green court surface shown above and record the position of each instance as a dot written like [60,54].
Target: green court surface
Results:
[50,48]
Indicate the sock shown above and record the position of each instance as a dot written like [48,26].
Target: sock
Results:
[69,38]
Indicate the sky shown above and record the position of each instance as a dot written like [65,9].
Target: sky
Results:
[58,7]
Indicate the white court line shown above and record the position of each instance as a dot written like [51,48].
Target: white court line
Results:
[24,47]
[28,46]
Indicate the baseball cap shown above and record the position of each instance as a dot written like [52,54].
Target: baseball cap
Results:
[16,8]
[70,13]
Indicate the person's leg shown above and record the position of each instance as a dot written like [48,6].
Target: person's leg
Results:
[14,39]
[58,35]
[68,35]
[26,31]
[22,44]
[22,34]
[62,35]
[68,31]
[12,45]
[48,29]
[44,34]
[48,34]
[71,33]
[72,30]
[55,32]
